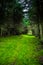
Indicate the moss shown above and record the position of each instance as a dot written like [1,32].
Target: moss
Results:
[19,50]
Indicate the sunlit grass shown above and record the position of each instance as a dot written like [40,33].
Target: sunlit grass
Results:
[19,50]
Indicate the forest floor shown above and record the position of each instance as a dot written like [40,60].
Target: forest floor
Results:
[20,50]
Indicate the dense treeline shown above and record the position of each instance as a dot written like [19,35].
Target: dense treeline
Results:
[13,13]
[10,17]
[36,17]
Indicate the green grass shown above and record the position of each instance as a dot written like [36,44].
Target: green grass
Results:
[19,50]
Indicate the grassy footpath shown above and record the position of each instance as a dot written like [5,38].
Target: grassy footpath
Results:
[19,50]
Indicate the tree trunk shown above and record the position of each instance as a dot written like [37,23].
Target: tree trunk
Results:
[38,30]
[41,31]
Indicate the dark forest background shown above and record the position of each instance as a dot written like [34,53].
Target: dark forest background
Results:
[19,16]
